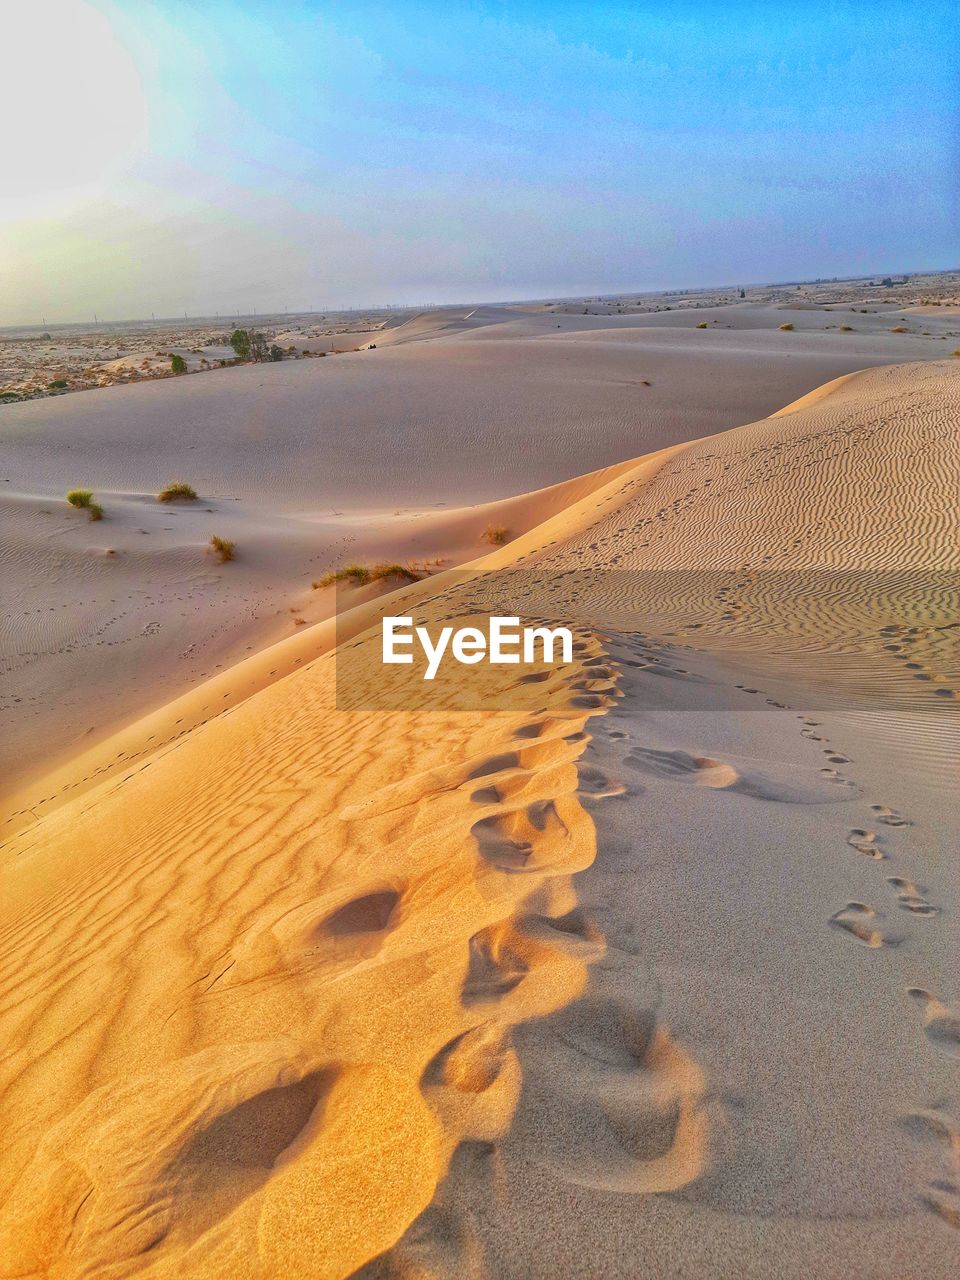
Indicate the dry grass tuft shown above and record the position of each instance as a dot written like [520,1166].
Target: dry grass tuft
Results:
[223,547]
[177,491]
[495,534]
[359,575]
[786,327]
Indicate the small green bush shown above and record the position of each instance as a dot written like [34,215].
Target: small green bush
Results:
[177,491]
[58,384]
[178,364]
[80,497]
[702,324]
[223,547]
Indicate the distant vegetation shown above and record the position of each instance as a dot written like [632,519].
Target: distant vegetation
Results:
[786,327]
[250,345]
[177,491]
[178,364]
[846,328]
[58,384]
[240,341]
[359,575]
[702,324]
[82,499]
[223,547]
[900,328]
[495,534]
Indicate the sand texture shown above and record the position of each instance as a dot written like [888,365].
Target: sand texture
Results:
[648,970]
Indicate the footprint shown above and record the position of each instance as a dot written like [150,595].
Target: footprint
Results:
[705,771]
[936,1126]
[941,1024]
[910,897]
[865,842]
[888,816]
[595,785]
[371,913]
[536,837]
[623,1097]
[865,924]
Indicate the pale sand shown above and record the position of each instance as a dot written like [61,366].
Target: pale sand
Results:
[613,982]
[308,465]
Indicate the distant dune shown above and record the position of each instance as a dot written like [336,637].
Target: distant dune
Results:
[647,968]
[309,465]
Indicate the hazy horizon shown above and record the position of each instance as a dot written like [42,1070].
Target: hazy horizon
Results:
[314,157]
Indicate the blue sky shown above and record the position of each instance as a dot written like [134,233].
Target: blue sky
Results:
[230,155]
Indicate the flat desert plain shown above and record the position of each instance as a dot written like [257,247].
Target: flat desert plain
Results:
[639,964]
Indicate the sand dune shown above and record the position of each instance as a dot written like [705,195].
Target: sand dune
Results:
[310,465]
[641,965]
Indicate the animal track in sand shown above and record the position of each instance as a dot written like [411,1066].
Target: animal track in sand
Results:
[941,1024]
[865,924]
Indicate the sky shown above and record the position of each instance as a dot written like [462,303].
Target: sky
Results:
[230,156]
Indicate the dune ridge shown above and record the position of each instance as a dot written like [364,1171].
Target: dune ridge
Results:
[320,991]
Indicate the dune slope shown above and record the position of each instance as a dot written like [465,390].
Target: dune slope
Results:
[597,977]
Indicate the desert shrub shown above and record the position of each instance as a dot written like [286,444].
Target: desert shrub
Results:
[846,328]
[359,574]
[355,573]
[58,384]
[786,327]
[223,547]
[381,571]
[276,353]
[495,534]
[95,510]
[80,497]
[240,341]
[177,491]
[956,353]
[178,364]
[702,324]
[900,328]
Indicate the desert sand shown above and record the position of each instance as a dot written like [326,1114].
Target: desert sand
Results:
[403,453]
[643,965]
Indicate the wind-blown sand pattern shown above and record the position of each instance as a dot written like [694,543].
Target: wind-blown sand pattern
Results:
[650,971]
